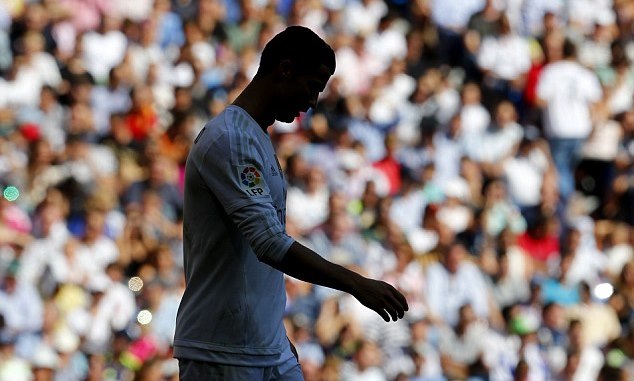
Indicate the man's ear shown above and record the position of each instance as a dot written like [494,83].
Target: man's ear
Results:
[285,69]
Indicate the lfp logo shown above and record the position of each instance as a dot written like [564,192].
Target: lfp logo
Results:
[252,181]
[250,177]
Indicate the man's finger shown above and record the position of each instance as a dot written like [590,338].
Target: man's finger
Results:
[401,298]
[397,305]
[383,314]
[402,301]
[392,311]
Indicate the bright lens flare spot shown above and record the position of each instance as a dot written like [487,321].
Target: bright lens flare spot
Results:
[11,193]
[144,317]
[603,291]
[135,284]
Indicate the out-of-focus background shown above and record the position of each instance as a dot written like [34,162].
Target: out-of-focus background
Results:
[477,154]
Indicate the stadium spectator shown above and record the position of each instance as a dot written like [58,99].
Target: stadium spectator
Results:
[566,85]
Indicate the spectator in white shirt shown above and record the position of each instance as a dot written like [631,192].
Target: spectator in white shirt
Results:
[524,174]
[366,365]
[583,14]
[419,113]
[449,142]
[308,207]
[23,83]
[568,93]
[595,53]
[50,234]
[363,16]
[588,263]
[455,211]
[110,309]
[504,60]
[620,88]
[408,207]
[42,62]
[97,248]
[497,142]
[388,43]
[425,354]
[67,267]
[463,349]
[474,116]
[397,88]
[339,241]
[354,69]
[21,306]
[104,49]
[453,283]
[110,99]
[30,72]
[389,338]
[119,298]
[147,52]
[498,212]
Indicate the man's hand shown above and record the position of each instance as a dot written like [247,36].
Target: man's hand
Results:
[302,263]
[381,297]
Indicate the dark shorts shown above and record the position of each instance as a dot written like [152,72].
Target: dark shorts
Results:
[191,370]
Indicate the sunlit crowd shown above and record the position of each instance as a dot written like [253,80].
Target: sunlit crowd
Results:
[476,154]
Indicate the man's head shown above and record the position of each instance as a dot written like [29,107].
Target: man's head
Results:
[300,64]
[300,45]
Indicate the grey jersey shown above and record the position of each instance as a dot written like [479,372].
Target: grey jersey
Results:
[235,206]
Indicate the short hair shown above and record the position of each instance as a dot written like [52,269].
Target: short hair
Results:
[301,46]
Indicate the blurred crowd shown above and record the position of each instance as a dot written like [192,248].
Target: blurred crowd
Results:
[476,154]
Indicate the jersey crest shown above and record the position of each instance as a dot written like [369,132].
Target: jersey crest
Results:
[252,181]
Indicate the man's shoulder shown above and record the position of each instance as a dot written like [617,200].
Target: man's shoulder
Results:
[231,122]
[228,136]
[214,133]
[215,126]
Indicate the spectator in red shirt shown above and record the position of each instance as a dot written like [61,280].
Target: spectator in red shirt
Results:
[142,119]
[390,166]
[540,240]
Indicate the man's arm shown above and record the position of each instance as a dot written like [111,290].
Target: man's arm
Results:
[302,263]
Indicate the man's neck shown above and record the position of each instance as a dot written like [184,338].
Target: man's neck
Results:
[256,103]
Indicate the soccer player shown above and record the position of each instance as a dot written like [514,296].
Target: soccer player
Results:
[230,320]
